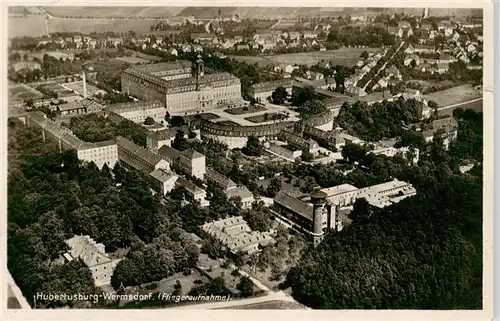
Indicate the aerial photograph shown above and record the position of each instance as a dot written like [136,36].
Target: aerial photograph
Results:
[209,158]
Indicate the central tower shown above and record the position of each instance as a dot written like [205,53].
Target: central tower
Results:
[200,71]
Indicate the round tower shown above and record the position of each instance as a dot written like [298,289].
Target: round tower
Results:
[318,199]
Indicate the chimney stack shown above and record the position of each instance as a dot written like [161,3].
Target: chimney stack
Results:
[84,80]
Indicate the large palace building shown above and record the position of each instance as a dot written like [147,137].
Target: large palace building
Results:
[184,90]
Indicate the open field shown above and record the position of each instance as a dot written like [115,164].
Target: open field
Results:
[87,26]
[78,87]
[454,95]
[19,93]
[475,105]
[30,26]
[342,56]
[245,110]
[113,11]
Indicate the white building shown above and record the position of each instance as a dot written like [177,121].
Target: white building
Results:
[94,256]
[235,233]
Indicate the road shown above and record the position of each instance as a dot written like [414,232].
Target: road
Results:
[384,65]
[272,296]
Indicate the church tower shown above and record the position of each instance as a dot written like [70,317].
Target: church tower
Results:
[200,71]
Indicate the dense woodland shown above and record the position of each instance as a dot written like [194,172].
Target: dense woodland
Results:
[422,253]
[380,120]
[53,197]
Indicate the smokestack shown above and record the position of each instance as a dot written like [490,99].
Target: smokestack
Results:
[318,201]
[84,80]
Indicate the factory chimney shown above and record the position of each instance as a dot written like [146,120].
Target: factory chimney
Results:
[318,200]
[84,80]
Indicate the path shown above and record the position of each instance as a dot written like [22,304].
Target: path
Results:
[459,104]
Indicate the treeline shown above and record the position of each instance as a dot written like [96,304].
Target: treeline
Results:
[370,36]
[424,252]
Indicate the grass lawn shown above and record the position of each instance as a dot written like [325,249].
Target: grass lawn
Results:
[266,117]
[228,123]
[245,110]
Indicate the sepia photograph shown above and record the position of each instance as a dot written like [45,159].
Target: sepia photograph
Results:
[247,158]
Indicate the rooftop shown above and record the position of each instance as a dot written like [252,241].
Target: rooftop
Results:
[90,252]
[162,175]
[339,189]
[241,191]
[294,204]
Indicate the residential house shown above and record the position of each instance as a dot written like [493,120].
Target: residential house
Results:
[426,26]
[471,48]
[445,58]
[410,58]
[254,44]
[242,47]
[294,35]
[173,52]
[243,194]
[424,48]
[360,63]
[409,50]
[400,33]
[354,91]
[393,71]
[432,35]
[269,44]
[310,35]
[442,67]
[228,43]
[197,48]
[202,37]
[404,24]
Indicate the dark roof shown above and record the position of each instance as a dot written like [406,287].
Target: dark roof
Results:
[320,195]
[294,204]
[172,65]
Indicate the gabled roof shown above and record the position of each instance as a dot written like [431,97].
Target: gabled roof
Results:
[85,248]
[294,204]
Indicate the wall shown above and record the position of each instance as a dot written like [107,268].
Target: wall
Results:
[100,155]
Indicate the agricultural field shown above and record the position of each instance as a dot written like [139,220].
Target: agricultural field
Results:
[113,11]
[87,26]
[342,56]
[454,95]
[30,26]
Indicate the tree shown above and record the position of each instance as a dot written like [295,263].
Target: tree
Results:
[149,121]
[312,108]
[353,152]
[177,121]
[302,95]
[274,187]
[432,104]
[307,156]
[364,55]
[278,97]
[180,142]
[245,286]
[167,117]
[253,146]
